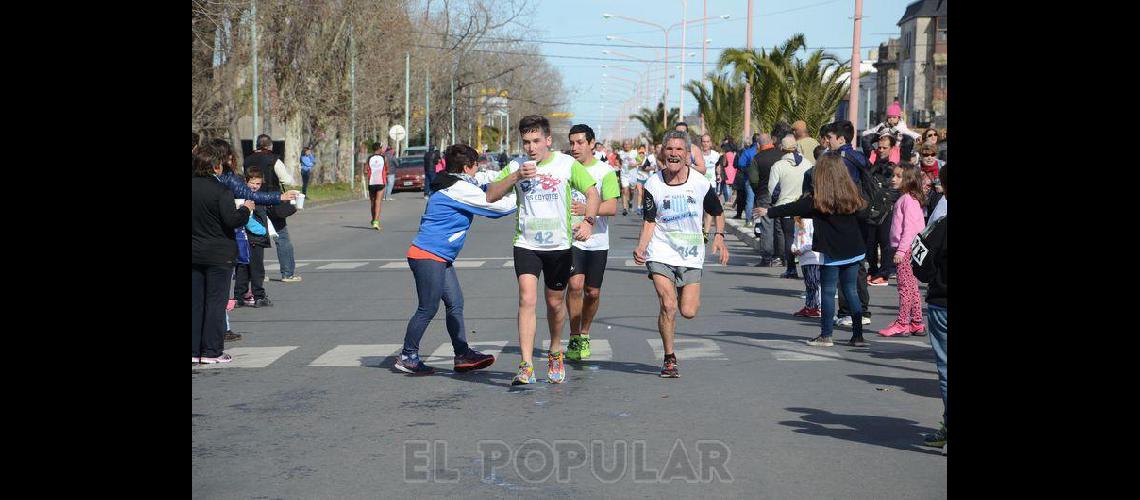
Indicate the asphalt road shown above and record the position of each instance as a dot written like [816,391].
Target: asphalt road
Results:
[313,408]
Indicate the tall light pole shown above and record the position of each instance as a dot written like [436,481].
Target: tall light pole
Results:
[407,98]
[748,82]
[665,31]
[853,107]
[352,132]
[427,105]
[253,37]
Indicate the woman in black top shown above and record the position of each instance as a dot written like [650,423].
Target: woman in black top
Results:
[214,250]
[835,207]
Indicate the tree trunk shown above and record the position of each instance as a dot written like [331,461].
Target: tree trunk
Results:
[385,124]
[293,144]
[344,154]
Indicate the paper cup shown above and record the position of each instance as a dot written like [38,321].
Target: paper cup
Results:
[238,203]
[300,201]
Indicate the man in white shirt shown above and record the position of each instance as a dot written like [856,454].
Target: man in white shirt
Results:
[671,244]
[588,258]
[788,175]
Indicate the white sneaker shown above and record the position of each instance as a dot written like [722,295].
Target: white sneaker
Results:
[844,322]
[866,320]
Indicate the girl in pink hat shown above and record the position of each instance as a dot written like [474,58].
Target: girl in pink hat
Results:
[894,126]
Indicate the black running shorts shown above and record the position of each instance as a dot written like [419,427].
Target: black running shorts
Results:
[592,263]
[375,188]
[554,265]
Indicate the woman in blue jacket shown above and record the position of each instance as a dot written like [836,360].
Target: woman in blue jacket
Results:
[456,197]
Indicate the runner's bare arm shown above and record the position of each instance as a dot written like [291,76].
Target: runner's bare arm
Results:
[699,166]
[498,189]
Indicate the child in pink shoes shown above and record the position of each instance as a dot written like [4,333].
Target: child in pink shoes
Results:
[908,222]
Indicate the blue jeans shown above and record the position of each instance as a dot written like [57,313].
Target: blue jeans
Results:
[391,184]
[285,252]
[725,191]
[434,281]
[749,200]
[936,325]
[305,181]
[846,276]
[428,177]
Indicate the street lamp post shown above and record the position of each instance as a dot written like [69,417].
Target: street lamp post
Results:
[665,31]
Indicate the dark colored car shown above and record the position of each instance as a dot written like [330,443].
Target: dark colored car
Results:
[409,174]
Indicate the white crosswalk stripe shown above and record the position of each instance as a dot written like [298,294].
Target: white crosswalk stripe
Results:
[446,353]
[910,342]
[469,263]
[395,265]
[600,349]
[277,267]
[252,357]
[357,355]
[343,265]
[789,350]
[688,349]
[509,263]
[374,355]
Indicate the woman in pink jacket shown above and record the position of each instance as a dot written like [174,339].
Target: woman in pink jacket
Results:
[908,222]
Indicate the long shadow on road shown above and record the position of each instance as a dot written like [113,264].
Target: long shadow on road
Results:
[889,432]
[918,386]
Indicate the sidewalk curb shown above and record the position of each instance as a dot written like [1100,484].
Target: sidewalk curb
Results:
[745,234]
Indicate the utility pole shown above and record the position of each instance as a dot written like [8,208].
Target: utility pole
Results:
[704,45]
[681,83]
[427,114]
[352,133]
[453,141]
[748,84]
[253,36]
[853,107]
[407,97]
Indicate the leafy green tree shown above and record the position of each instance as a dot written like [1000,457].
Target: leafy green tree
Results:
[652,121]
[721,102]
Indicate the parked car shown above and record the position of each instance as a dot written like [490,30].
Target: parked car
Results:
[409,174]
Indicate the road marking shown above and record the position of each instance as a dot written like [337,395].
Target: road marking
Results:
[600,349]
[446,353]
[277,267]
[395,265]
[915,343]
[688,349]
[343,265]
[252,357]
[469,263]
[358,355]
[632,263]
[788,350]
[509,263]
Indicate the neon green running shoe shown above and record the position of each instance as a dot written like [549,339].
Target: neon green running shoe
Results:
[525,375]
[579,348]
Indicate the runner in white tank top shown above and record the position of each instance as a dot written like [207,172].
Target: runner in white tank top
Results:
[672,244]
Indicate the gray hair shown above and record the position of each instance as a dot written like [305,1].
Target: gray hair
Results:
[677,134]
[765,139]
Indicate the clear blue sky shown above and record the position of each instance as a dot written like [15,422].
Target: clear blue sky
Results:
[562,24]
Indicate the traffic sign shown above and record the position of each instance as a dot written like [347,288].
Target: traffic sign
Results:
[397,133]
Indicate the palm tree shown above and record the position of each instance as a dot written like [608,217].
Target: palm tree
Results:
[721,103]
[764,70]
[813,89]
[652,121]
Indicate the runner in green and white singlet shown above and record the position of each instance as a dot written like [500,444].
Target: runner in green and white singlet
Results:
[588,257]
[543,234]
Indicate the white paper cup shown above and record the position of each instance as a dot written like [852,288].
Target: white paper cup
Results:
[300,201]
[238,203]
